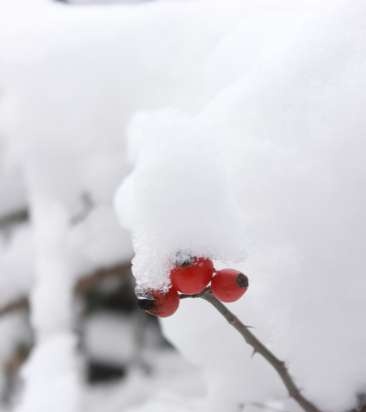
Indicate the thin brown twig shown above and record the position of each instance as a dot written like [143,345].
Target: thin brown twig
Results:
[197,295]
[13,218]
[89,281]
[258,347]
[20,303]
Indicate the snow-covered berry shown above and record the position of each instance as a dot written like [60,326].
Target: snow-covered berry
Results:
[192,275]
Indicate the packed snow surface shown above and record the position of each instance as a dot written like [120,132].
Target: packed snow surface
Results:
[282,143]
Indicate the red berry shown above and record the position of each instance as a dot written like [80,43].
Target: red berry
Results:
[228,285]
[192,276]
[160,304]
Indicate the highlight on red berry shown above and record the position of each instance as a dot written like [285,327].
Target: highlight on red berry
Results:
[158,303]
[229,285]
[192,274]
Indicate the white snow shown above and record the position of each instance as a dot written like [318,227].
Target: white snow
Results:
[292,130]
[174,194]
[16,263]
[121,341]
[245,130]
[174,383]
[51,379]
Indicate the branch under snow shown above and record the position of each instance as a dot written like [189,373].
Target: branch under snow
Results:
[22,303]
[84,284]
[16,217]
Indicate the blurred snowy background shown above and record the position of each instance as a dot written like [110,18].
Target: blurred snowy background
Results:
[262,102]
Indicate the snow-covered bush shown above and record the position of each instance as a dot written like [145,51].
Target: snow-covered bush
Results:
[243,124]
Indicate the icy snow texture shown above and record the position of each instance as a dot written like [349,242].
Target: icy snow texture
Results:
[176,191]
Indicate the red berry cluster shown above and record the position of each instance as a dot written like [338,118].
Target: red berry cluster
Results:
[191,277]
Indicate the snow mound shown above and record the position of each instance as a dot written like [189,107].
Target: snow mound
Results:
[177,198]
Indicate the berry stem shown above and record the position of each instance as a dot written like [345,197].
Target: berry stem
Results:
[259,347]
[197,295]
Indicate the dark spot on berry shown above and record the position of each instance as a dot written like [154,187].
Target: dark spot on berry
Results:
[242,280]
[145,304]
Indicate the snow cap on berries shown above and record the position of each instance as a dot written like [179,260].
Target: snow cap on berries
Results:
[177,197]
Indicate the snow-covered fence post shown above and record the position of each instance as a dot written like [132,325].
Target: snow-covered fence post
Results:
[52,363]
